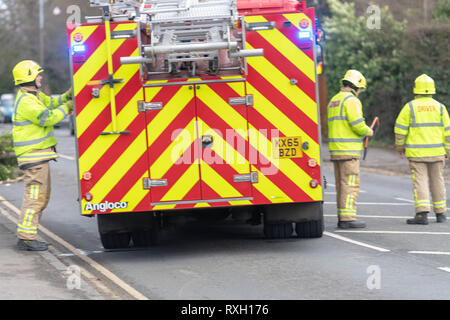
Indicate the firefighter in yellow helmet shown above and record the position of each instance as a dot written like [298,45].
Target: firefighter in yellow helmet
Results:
[422,131]
[346,130]
[34,143]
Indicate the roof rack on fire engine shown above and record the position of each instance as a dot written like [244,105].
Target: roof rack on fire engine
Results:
[117,10]
[200,36]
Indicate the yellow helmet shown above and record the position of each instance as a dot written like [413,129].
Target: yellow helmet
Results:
[26,71]
[356,78]
[424,85]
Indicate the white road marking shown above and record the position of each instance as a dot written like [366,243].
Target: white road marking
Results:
[431,252]
[377,203]
[371,216]
[333,192]
[66,157]
[111,276]
[334,186]
[83,252]
[403,199]
[447,269]
[394,232]
[359,243]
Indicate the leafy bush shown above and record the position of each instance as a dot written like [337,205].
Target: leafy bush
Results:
[376,53]
[442,11]
[390,57]
[8,161]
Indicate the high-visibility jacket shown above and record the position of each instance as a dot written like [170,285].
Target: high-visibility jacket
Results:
[53,101]
[33,120]
[346,126]
[422,128]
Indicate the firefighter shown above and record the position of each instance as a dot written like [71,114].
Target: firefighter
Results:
[422,131]
[346,131]
[34,145]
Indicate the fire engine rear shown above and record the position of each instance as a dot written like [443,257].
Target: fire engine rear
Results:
[204,109]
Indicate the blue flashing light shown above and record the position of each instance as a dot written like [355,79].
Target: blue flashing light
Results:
[79,48]
[304,35]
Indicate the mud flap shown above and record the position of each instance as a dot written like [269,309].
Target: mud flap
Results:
[293,212]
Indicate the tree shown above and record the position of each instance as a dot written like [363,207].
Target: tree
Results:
[427,48]
[442,11]
[18,37]
[19,34]
[353,42]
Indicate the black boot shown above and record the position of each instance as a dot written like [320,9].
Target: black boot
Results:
[420,218]
[351,224]
[441,217]
[31,245]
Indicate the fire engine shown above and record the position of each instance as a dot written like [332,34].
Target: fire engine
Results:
[191,108]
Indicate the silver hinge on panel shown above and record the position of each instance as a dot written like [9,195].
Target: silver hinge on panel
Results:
[148,183]
[258,26]
[145,106]
[123,34]
[247,100]
[95,93]
[250,177]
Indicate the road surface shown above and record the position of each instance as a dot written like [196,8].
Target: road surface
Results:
[387,260]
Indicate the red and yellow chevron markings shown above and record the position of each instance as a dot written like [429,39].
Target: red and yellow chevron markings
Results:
[109,158]
[171,135]
[280,104]
[169,144]
[213,101]
[216,180]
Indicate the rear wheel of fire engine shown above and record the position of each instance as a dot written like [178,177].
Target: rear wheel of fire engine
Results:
[314,227]
[278,230]
[113,230]
[309,229]
[145,237]
[113,240]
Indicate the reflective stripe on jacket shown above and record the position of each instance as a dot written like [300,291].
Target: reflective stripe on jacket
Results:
[33,127]
[53,101]
[346,125]
[422,127]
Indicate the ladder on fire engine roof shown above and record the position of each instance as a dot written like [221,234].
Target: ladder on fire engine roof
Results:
[181,31]
[180,28]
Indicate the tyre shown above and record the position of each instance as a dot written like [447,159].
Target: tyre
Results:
[113,230]
[309,229]
[115,240]
[278,230]
[145,238]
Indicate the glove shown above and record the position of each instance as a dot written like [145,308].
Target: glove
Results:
[69,105]
[68,94]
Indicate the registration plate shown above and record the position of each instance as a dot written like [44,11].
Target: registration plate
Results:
[287,147]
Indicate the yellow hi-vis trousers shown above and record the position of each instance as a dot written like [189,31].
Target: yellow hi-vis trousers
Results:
[346,174]
[35,199]
[426,177]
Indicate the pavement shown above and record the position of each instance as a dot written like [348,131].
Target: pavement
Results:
[26,275]
[43,276]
